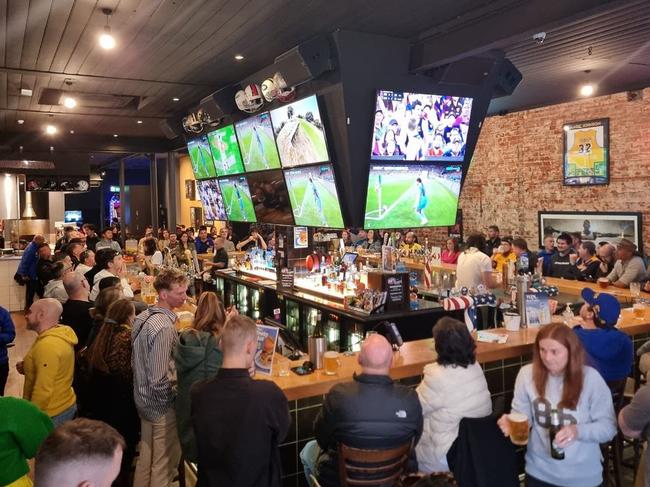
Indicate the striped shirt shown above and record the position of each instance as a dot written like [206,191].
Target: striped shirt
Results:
[154,337]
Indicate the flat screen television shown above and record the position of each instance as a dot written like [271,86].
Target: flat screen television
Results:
[300,133]
[313,195]
[201,158]
[211,199]
[270,197]
[237,199]
[412,195]
[257,143]
[225,151]
[420,127]
[73,216]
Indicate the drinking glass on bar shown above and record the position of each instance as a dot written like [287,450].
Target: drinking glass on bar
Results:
[639,310]
[331,362]
[635,289]
[518,428]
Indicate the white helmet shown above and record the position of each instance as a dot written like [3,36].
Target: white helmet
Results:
[253,97]
[240,100]
[284,94]
[269,90]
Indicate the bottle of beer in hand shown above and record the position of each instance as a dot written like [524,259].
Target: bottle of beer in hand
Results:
[556,452]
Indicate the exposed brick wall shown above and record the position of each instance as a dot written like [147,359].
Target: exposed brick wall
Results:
[517,167]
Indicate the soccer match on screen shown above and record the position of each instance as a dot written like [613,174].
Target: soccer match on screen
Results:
[201,158]
[257,143]
[237,199]
[225,151]
[312,191]
[412,196]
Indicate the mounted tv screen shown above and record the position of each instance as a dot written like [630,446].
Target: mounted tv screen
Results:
[419,127]
[73,216]
[211,199]
[257,143]
[313,195]
[299,133]
[412,195]
[237,199]
[201,158]
[270,197]
[225,151]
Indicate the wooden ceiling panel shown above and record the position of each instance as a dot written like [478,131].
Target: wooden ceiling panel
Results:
[16,23]
[77,23]
[4,37]
[37,18]
[56,25]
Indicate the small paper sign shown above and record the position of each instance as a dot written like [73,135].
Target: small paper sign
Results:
[267,337]
[538,311]
[436,255]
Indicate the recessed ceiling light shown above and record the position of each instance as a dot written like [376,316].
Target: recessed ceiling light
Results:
[115,135]
[176,99]
[25,92]
[20,121]
[139,121]
[239,57]
[25,162]
[69,102]
[50,129]
[72,131]
[587,90]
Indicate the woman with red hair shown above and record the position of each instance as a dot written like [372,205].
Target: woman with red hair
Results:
[558,380]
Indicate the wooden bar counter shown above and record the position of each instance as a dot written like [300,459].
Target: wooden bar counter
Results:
[413,356]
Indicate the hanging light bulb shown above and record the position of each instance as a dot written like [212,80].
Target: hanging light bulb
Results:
[106,40]
[69,102]
[587,90]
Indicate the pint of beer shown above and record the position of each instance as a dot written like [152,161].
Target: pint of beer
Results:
[639,310]
[518,428]
[331,362]
[603,282]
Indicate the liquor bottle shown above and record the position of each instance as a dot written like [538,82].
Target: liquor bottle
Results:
[556,452]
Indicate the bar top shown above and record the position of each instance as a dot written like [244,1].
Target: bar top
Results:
[413,356]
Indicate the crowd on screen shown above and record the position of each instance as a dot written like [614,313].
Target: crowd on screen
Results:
[111,383]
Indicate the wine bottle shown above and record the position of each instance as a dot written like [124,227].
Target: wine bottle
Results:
[556,452]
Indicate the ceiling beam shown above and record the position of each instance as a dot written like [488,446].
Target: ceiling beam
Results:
[500,28]
[131,114]
[34,142]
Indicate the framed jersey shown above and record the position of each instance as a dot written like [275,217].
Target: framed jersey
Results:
[586,153]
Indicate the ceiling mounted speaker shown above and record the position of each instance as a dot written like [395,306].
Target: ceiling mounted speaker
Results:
[508,78]
[171,128]
[219,103]
[305,62]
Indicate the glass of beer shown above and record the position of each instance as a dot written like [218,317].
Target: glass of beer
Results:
[518,428]
[331,362]
[635,289]
[603,282]
[639,310]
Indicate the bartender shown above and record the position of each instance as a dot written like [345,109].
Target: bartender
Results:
[220,260]
[253,240]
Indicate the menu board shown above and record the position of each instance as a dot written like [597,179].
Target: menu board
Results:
[286,278]
[396,285]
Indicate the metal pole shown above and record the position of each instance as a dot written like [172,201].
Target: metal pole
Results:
[153,184]
[123,222]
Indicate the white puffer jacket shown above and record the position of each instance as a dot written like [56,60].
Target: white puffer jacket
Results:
[448,394]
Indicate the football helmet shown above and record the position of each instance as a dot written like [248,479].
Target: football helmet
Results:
[253,97]
[285,94]
[269,90]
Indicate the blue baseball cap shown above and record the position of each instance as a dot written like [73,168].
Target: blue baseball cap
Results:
[606,306]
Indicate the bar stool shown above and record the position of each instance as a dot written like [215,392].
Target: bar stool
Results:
[613,450]
[372,467]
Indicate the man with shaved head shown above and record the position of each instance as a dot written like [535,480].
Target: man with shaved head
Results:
[49,364]
[76,310]
[239,422]
[371,412]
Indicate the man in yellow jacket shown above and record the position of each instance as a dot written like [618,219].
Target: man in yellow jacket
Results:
[49,364]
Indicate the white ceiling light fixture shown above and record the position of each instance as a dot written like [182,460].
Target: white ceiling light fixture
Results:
[106,39]
[72,131]
[25,92]
[50,129]
[20,121]
[69,102]
[115,135]
[176,99]
[239,57]
[587,90]
[139,121]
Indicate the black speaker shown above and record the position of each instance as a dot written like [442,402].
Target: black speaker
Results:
[219,103]
[171,128]
[508,78]
[306,61]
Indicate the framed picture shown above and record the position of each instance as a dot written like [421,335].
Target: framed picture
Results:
[456,231]
[586,153]
[300,238]
[190,189]
[196,216]
[594,226]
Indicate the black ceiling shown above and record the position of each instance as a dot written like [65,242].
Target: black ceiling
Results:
[185,49]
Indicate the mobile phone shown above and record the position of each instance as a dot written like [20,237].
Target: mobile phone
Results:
[300,370]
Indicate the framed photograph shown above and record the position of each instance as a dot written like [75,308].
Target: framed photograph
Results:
[586,153]
[594,226]
[196,216]
[190,189]
[456,231]
[300,238]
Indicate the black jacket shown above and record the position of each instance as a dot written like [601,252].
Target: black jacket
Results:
[490,245]
[371,412]
[238,423]
[561,266]
[589,273]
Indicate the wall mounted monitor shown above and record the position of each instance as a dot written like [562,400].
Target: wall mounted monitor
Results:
[73,216]
[314,198]
[225,151]
[270,197]
[257,143]
[210,196]
[237,199]
[300,133]
[412,195]
[201,158]
[420,127]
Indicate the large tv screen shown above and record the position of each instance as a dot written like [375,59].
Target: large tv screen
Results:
[313,195]
[211,199]
[270,197]
[412,195]
[299,133]
[225,151]
[257,143]
[420,127]
[201,158]
[237,199]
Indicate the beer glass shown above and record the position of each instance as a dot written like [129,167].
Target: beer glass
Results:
[331,362]
[603,282]
[518,428]
[635,289]
[639,310]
